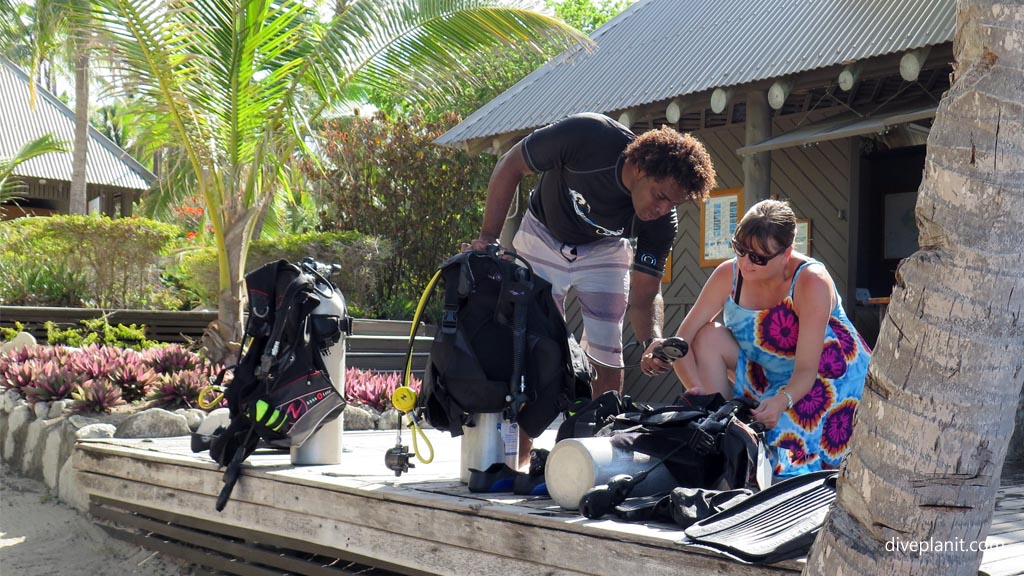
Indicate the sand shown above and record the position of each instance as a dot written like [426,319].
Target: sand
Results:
[40,536]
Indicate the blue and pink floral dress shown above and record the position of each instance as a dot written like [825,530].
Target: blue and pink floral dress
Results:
[815,433]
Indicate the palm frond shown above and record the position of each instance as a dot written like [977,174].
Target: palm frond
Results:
[9,188]
[394,44]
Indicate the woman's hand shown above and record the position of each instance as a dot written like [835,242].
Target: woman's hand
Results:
[769,410]
[649,364]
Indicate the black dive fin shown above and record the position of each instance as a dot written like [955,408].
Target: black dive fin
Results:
[775,524]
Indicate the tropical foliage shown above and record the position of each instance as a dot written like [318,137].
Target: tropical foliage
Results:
[361,258]
[490,73]
[10,186]
[231,86]
[372,388]
[99,378]
[85,260]
[387,179]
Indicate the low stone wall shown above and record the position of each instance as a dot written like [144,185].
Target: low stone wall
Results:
[37,441]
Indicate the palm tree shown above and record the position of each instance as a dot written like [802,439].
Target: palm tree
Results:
[235,84]
[938,408]
[80,43]
[10,187]
[50,28]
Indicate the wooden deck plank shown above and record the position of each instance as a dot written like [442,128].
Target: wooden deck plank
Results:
[200,544]
[207,558]
[415,552]
[361,509]
[378,513]
[1004,552]
[425,513]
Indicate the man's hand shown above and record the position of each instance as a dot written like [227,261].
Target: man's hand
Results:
[478,244]
[650,364]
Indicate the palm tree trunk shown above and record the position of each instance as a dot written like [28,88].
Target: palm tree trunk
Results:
[222,339]
[78,199]
[938,407]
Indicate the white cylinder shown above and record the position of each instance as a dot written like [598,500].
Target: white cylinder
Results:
[324,446]
[720,99]
[491,441]
[912,62]
[848,77]
[674,111]
[576,465]
[778,93]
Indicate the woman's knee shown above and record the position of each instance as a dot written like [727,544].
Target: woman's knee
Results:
[715,341]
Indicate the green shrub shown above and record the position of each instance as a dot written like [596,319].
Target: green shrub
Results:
[99,331]
[388,179]
[8,333]
[360,257]
[83,260]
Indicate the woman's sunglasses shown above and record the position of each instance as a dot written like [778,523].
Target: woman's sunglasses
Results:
[755,258]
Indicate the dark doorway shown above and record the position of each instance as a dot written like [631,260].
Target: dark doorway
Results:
[887,231]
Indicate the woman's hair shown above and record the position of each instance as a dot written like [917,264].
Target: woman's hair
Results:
[667,154]
[767,222]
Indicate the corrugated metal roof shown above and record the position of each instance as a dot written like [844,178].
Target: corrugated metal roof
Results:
[660,49]
[109,165]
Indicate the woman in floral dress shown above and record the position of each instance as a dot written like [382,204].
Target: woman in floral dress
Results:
[785,341]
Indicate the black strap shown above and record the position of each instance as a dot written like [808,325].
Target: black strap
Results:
[520,290]
[280,318]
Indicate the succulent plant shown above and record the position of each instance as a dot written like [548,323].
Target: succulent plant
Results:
[96,396]
[19,375]
[171,358]
[133,380]
[179,389]
[52,382]
[373,388]
[96,362]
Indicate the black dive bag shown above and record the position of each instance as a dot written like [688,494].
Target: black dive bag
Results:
[703,440]
[281,392]
[502,346]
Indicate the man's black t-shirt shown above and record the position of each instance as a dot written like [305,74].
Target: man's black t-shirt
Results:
[581,197]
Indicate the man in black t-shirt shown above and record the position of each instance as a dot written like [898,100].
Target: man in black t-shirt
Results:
[600,186]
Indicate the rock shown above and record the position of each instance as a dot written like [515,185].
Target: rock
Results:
[58,407]
[54,455]
[35,442]
[153,423]
[79,421]
[219,418]
[17,428]
[9,400]
[389,419]
[41,409]
[356,418]
[20,340]
[68,489]
[98,430]
[193,416]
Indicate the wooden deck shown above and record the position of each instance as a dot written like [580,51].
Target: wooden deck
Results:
[299,519]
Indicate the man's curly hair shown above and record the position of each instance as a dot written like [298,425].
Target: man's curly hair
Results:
[665,153]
